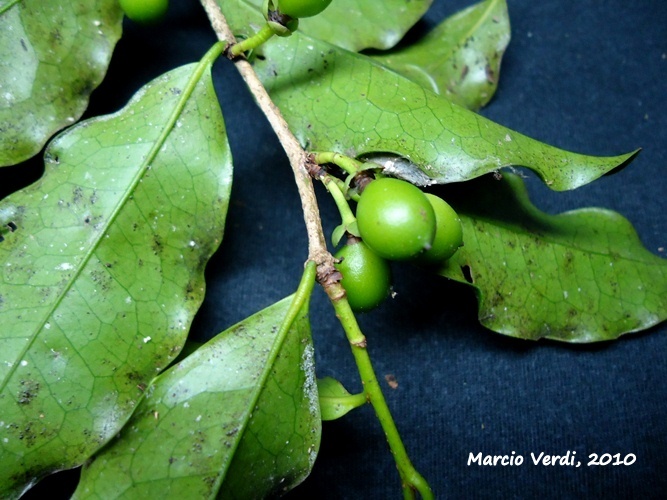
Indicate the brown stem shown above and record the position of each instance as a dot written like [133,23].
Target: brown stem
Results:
[298,158]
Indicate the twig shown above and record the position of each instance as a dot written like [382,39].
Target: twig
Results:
[298,158]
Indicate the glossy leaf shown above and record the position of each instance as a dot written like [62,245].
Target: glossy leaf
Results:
[102,271]
[335,100]
[335,401]
[240,415]
[352,24]
[52,56]
[460,58]
[581,276]
[362,24]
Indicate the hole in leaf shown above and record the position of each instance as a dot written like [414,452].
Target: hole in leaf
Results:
[467,274]
[12,227]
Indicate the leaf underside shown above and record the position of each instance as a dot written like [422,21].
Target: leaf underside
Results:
[460,58]
[335,100]
[351,24]
[102,272]
[239,418]
[580,276]
[52,56]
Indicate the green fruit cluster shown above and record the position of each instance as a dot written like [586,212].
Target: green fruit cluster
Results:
[396,221]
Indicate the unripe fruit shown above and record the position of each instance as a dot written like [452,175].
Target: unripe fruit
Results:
[366,276]
[448,232]
[395,219]
[302,8]
[144,11]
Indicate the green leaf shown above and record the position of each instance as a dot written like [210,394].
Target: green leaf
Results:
[335,401]
[460,58]
[240,414]
[52,56]
[351,24]
[335,100]
[102,270]
[581,276]
[363,24]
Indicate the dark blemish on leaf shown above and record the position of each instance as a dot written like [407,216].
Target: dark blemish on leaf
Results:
[157,244]
[27,476]
[24,45]
[465,270]
[56,37]
[199,441]
[29,391]
[28,436]
[497,299]
[175,91]
[210,481]
[83,87]
[189,288]
[465,71]
[490,74]
[569,257]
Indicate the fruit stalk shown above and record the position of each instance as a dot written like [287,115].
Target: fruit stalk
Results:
[412,481]
[254,41]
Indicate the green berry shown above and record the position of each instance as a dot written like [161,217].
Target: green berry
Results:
[366,275]
[302,8]
[448,232]
[395,219]
[144,11]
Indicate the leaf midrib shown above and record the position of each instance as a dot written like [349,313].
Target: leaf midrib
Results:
[8,6]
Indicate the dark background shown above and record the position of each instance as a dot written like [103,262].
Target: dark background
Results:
[588,76]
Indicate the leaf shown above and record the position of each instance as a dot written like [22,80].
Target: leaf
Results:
[52,56]
[460,58]
[581,276]
[334,100]
[351,24]
[335,401]
[103,271]
[363,24]
[240,414]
